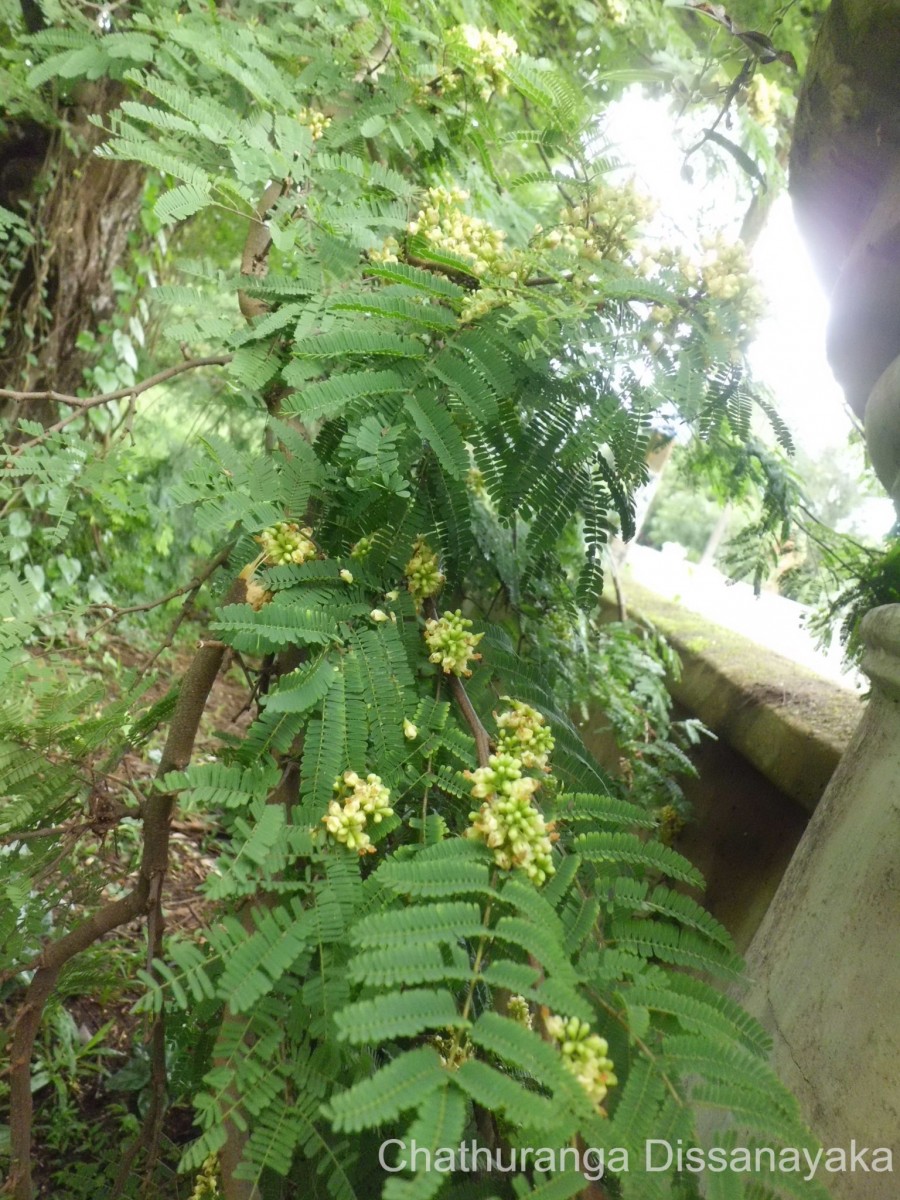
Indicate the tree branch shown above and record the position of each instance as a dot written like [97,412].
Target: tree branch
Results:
[193,587]
[82,404]
[192,700]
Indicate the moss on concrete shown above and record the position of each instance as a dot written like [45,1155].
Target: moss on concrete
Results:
[790,723]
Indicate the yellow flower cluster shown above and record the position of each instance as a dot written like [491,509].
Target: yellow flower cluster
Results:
[585,1055]
[286,542]
[389,252]
[602,227]
[443,224]
[314,120]
[723,274]
[423,575]
[479,303]
[206,1185]
[489,54]
[356,802]
[508,822]
[618,11]
[524,735]
[764,98]
[450,642]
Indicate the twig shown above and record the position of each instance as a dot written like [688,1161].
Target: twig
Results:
[255,254]
[28,835]
[194,586]
[148,1137]
[83,404]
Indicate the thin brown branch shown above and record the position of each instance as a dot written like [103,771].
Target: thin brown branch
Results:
[482,740]
[192,699]
[193,587]
[82,404]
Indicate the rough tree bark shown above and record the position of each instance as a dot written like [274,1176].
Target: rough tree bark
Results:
[81,211]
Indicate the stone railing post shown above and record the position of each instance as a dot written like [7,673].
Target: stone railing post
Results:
[825,963]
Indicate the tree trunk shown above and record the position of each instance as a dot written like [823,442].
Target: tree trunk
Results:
[80,210]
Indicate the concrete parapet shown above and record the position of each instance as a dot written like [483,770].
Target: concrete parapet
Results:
[825,962]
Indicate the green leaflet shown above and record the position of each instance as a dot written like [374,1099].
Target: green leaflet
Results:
[626,848]
[424,923]
[436,426]
[494,1090]
[398,1014]
[302,688]
[330,396]
[396,1088]
[426,281]
[439,1123]
[274,626]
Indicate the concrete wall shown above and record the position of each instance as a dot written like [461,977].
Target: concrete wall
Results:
[825,962]
[780,733]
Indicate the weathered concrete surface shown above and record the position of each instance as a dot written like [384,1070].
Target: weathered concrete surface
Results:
[777,745]
[741,836]
[883,425]
[789,723]
[825,962]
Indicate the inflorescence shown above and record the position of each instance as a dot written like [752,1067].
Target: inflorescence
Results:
[524,734]
[357,801]
[450,642]
[508,822]
[286,543]
[423,574]
[584,1054]
[489,54]
[314,120]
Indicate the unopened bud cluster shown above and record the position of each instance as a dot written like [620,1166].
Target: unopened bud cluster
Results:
[671,823]
[423,575]
[524,735]
[453,1052]
[361,548]
[585,1055]
[286,543]
[357,802]
[489,55]
[451,643]
[314,120]
[475,483]
[508,822]
[518,1010]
